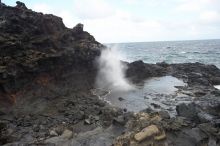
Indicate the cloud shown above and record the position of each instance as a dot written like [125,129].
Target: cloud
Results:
[41,7]
[68,19]
[123,27]
[210,17]
[132,20]
[131,2]
[190,6]
[197,5]
[93,9]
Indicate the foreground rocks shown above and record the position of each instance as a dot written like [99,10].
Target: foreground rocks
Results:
[196,122]
[177,131]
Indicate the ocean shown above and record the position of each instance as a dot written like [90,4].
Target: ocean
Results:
[203,51]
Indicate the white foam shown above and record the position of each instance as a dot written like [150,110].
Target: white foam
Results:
[217,87]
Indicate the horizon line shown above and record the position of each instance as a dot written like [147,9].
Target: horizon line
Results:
[158,41]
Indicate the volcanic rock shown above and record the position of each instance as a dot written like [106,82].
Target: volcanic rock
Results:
[36,46]
[20,5]
[138,70]
[189,111]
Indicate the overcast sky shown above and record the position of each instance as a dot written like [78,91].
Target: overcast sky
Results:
[136,20]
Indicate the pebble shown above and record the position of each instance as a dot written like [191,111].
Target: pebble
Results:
[87,121]
[164,114]
[53,133]
[119,120]
[36,128]
[120,99]
[67,134]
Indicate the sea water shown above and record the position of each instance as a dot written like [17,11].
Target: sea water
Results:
[203,51]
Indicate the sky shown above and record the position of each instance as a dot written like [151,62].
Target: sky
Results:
[114,21]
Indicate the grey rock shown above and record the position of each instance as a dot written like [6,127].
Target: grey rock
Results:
[60,140]
[212,142]
[164,114]
[187,110]
[36,128]
[217,122]
[59,129]
[204,117]
[119,120]
[196,134]
[96,118]
[208,128]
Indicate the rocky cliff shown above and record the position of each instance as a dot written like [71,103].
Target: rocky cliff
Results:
[38,47]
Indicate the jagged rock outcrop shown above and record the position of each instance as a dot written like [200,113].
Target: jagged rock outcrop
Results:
[138,70]
[191,73]
[33,43]
[197,73]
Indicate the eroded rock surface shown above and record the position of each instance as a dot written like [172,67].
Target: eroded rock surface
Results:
[32,44]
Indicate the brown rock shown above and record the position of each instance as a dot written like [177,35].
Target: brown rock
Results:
[162,136]
[67,134]
[146,133]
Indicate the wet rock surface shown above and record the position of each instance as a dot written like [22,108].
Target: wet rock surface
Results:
[47,72]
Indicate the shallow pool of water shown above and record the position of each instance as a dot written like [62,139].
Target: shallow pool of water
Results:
[161,85]
[156,93]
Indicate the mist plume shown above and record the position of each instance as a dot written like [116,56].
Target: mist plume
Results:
[111,74]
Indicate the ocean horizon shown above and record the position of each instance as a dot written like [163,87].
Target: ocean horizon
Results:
[108,43]
[186,51]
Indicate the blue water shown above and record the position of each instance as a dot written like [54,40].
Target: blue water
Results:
[203,51]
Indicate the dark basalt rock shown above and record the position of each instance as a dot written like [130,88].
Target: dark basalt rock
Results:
[138,70]
[78,28]
[215,80]
[196,73]
[192,73]
[189,111]
[20,5]
[32,43]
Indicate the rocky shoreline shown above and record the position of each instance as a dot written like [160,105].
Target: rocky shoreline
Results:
[47,73]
